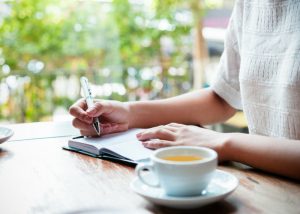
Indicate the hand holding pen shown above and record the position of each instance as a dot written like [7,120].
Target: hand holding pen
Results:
[115,115]
[89,101]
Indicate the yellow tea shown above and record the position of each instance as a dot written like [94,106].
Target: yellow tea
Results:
[182,158]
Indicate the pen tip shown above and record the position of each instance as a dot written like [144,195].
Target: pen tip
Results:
[97,128]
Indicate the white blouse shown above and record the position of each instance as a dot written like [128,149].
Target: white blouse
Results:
[259,71]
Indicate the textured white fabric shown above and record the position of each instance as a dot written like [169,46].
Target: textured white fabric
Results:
[259,71]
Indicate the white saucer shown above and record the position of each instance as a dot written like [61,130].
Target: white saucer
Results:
[221,185]
[5,134]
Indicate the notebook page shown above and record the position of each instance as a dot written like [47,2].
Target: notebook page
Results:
[123,143]
[132,149]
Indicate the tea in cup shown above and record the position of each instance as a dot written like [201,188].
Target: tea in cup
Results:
[180,170]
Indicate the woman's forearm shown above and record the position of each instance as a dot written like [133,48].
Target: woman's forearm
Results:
[280,156]
[199,107]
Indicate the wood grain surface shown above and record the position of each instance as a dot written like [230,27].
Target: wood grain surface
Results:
[37,176]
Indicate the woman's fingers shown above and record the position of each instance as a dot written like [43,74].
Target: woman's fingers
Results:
[171,128]
[161,136]
[88,133]
[106,128]
[175,125]
[99,108]
[157,132]
[78,110]
[109,128]
[77,123]
[156,143]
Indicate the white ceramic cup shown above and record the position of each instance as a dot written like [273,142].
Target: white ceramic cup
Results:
[180,178]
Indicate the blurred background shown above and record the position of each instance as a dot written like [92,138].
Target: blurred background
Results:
[129,50]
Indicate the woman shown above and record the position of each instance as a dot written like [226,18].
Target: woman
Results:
[259,73]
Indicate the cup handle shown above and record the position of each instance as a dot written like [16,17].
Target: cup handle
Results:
[139,171]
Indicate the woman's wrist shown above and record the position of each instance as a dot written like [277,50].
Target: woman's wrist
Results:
[227,146]
[231,146]
[140,115]
[131,108]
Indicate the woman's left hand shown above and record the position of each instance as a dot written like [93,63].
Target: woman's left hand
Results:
[175,134]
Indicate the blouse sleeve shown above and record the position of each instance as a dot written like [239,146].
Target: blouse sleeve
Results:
[226,82]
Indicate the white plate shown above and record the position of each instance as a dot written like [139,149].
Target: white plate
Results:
[5,134]
[221,185]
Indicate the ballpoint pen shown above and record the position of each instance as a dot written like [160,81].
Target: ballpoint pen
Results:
[89,101]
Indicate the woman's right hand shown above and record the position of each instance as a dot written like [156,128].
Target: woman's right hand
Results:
[113,116]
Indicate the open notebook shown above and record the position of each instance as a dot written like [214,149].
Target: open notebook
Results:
[122,146]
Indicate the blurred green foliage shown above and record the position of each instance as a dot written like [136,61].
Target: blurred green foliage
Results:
[42,40]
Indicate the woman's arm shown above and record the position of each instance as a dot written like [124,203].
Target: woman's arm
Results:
[280,156]
[198,107]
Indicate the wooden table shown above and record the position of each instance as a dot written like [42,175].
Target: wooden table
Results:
[37,176]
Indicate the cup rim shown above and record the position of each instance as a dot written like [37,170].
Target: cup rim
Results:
[213,156]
